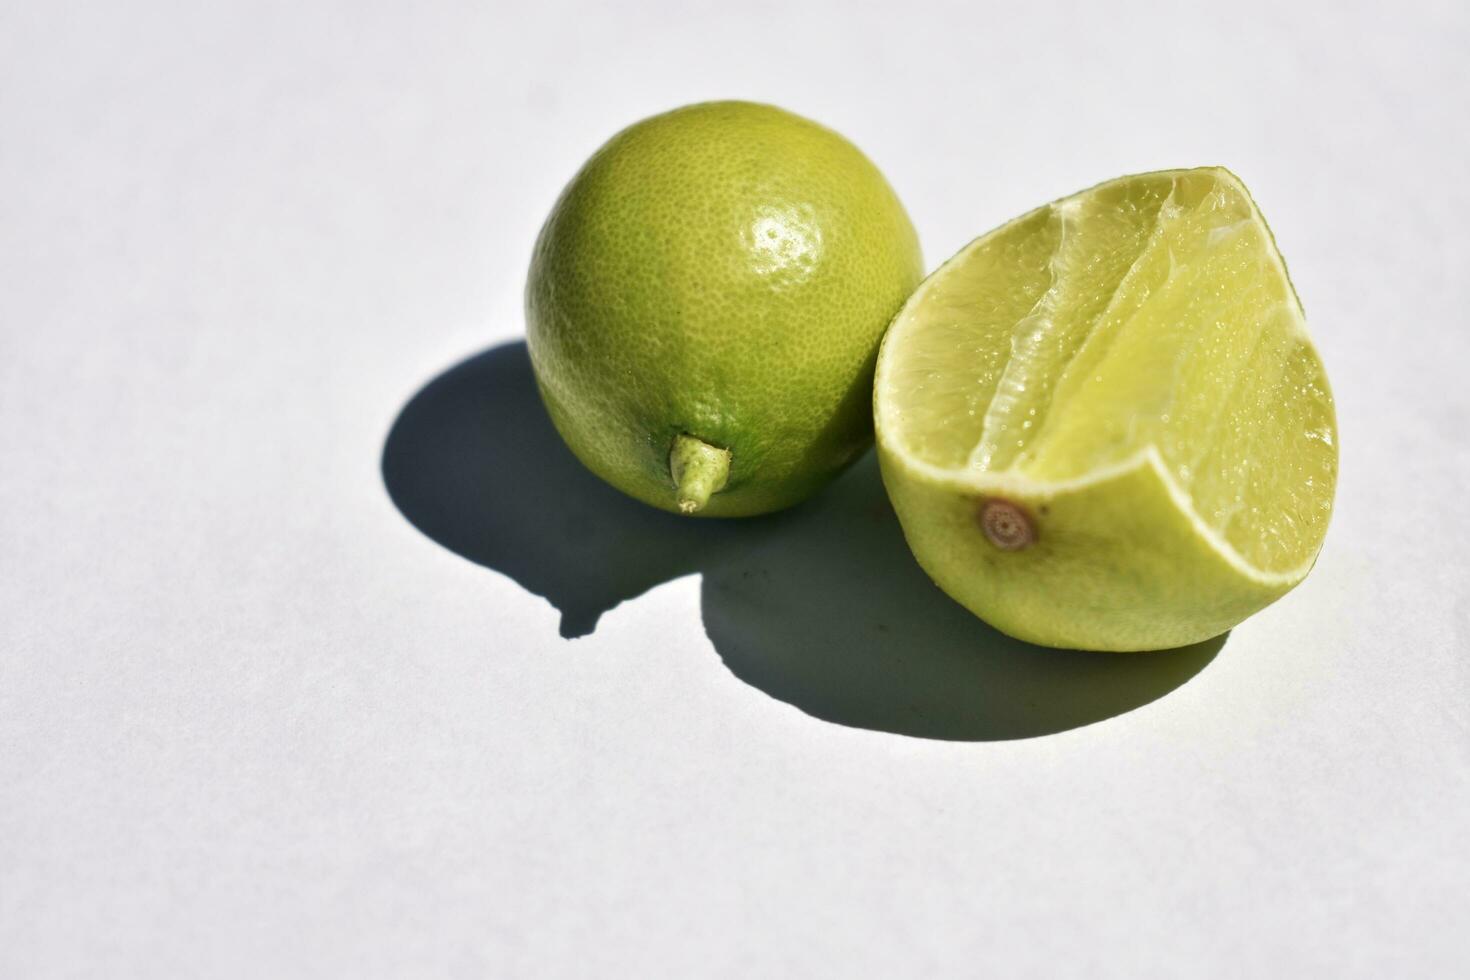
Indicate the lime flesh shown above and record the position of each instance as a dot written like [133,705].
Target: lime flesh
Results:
[705,304]
[1103,425]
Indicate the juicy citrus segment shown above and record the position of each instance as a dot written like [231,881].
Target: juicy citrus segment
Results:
[950,371]
[1101,239]
[1148,321]
[1213,368]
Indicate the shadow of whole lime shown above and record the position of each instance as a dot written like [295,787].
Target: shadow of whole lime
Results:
[474,463]
[821,606]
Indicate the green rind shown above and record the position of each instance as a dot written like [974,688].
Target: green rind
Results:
[649,313]
[1116,565]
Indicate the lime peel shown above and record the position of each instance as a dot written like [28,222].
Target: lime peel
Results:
[726,271]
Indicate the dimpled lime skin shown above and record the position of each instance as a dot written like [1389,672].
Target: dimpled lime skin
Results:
[1115,566]
[724,270]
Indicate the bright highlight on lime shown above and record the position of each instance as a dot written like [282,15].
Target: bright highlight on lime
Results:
[1103,425]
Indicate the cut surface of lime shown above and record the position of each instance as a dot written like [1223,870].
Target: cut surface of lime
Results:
[1127,371]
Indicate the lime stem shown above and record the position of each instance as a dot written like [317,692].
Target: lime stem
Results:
[699,470]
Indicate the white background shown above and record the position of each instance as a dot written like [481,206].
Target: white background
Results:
[253,722]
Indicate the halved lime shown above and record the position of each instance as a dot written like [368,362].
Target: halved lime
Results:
[1103,425]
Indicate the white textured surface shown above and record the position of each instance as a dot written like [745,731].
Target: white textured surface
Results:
[254,723]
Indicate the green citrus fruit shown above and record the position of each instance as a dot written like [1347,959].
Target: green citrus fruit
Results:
[1103,425]
[705,305]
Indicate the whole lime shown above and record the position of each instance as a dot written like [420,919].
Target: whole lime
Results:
[705,304]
